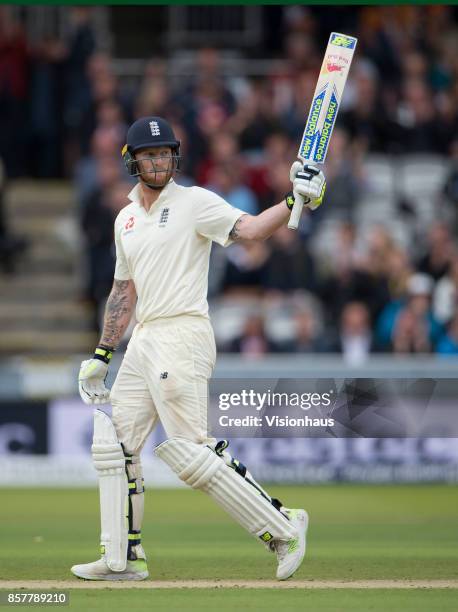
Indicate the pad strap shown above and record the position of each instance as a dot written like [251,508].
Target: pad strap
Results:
[137,485]
[135,538]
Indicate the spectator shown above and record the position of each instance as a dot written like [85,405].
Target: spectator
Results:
[399,269]
[184,176]
[14,87]
[279,184]
[421,129]
[451,184]
[61,95]
[380,33]
[292,118]
[366,120]
[277,148]
[107,95]
[253,341]
[354,340]
[246,268]
[255,118]
[47,92]
[154,97]
[223,148]
[225,180]
[203,104]
[448,344]
[110,119]
[410,322]
[105,144]
[351,279]
[440,249]
[410,334]
[306,338]
[97,223]
[342,252]
[300,45]
[80,45]
[342,171]
[445,298]
[290,265]
[375,258]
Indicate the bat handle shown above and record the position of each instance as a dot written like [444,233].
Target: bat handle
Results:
[295,215]
[296,211]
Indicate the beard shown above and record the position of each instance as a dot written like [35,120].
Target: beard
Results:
[158,178]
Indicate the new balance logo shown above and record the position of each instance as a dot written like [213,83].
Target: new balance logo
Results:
[154,127]
[164,217]
[163,375]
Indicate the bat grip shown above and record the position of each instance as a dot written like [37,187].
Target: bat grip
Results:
[295,215]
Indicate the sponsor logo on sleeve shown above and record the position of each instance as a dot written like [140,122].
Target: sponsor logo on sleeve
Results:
[130,223]
[129,226]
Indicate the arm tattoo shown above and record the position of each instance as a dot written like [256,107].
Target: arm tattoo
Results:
[117,313]
[234,233]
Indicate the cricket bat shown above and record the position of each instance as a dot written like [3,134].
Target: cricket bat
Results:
[325,106]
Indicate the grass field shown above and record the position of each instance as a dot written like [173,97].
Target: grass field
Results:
[357,533]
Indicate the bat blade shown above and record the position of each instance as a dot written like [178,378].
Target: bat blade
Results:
[325,105]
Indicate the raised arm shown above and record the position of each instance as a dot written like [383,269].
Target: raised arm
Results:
[309,185]
[118,312]
[260,227]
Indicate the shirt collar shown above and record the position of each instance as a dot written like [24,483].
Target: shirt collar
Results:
[135,195]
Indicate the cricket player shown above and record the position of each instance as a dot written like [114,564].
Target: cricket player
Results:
[163,239]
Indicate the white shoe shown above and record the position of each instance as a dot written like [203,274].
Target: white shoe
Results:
[99,570]
[290,553]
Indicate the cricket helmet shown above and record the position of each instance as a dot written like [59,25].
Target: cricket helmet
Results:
[148,132]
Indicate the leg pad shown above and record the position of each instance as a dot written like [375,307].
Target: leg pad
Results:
[202,468]
[109,461]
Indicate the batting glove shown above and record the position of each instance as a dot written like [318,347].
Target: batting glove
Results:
[92,376]
[309,184]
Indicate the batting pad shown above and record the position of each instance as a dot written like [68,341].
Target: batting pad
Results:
[201,468]
[110,464]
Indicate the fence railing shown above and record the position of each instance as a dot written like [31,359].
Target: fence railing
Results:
[34,378]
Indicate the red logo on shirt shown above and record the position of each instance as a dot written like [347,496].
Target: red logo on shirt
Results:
[130,223]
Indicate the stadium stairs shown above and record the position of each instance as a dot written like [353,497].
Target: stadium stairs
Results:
[41,311]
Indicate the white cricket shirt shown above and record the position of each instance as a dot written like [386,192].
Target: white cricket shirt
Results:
[166,250]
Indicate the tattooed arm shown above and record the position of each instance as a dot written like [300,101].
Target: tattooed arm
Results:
[93,372]
[260,227]
[118,312]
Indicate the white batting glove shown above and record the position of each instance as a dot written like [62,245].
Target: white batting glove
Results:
[309,184]
[91,382]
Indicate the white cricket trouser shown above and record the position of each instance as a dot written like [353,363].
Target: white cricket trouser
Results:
[164,375]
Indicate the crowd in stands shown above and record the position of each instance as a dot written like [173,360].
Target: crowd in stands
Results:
[239,134]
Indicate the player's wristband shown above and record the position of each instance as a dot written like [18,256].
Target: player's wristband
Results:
[103,353]
[289,200]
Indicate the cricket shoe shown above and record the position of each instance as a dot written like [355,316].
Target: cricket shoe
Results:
[290,553]
[98,570]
